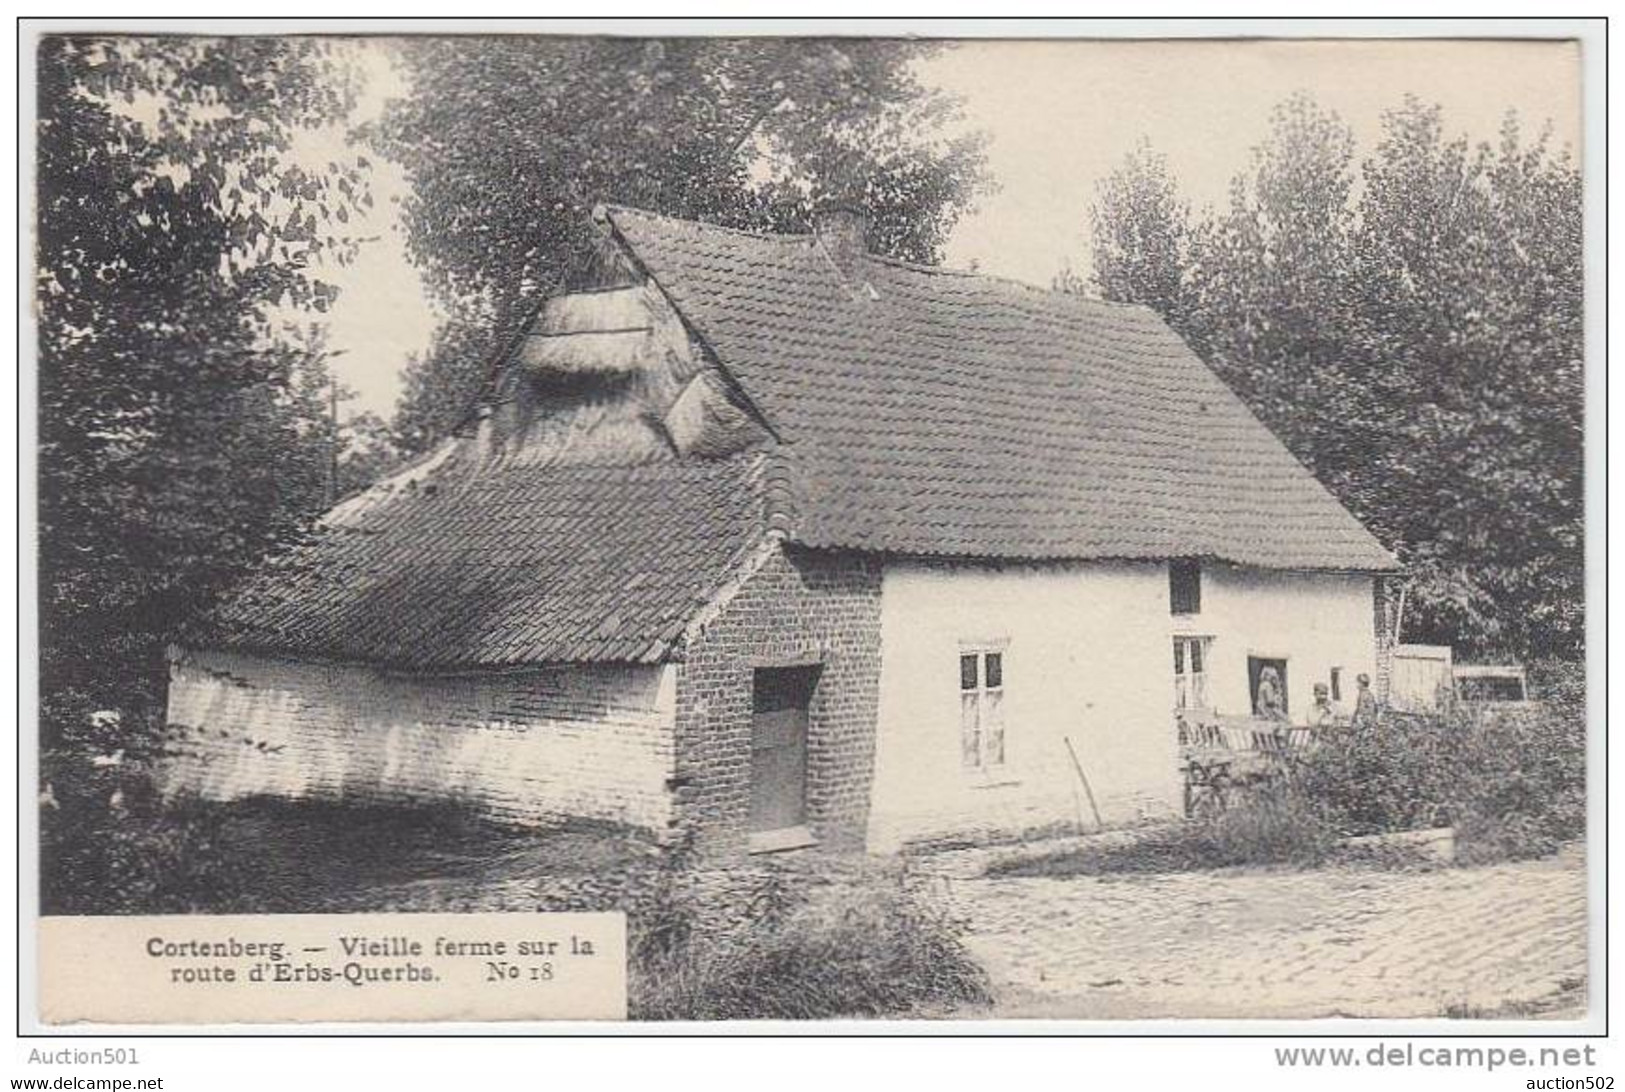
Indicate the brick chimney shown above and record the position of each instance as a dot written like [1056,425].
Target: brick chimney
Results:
[842,231]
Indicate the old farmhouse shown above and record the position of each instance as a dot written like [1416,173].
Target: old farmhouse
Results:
[772,542]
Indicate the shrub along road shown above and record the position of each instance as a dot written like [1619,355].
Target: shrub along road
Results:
[1504,940]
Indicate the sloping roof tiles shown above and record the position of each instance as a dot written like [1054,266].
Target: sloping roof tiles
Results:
[927,412]
[513,566]
[918,412]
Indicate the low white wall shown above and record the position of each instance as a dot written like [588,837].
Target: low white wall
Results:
[526,747]
[1087,657]
[1315,621]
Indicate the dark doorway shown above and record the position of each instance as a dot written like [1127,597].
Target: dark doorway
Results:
[780,699]
[1255,671]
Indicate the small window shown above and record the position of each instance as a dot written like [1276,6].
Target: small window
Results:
[1190,672]
[981,709]
[1337,684]
[969,675]
[1184,587]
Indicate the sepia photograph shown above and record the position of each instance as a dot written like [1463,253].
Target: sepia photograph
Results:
[731,527]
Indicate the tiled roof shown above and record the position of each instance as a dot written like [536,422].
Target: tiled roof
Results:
[919,412]
[468,567]
[926,412]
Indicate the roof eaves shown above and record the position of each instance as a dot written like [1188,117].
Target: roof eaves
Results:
[1390,566]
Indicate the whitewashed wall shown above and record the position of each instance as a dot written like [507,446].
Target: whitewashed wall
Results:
[1087,657]
[1316,621]
[526,747]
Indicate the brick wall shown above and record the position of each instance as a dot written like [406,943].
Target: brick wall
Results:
[798,608]
[1384,607]
[525,747]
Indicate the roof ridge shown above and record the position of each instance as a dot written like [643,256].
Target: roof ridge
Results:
[604,210]
[1004,279]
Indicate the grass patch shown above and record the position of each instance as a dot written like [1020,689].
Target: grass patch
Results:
[1273,829]
[267,855]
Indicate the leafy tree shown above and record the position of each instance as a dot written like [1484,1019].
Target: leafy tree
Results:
[172,226]
[510,142]
[1271,307]
[1469,265]
[368,451]
[1142,237]
[1415,339]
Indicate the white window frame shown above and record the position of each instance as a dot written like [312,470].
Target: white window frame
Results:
[982,711]
[1191,698]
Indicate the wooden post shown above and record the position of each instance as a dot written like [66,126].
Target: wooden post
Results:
[1089,792]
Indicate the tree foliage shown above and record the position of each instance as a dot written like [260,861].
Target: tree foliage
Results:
[173,228]
[1141,231]
[510,142]
[1411,326]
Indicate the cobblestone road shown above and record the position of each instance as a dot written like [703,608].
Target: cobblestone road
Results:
[1328,942]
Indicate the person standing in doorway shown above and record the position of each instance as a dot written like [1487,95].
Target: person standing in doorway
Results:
[1270,704]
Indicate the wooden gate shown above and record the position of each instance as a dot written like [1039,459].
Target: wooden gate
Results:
[1421,680]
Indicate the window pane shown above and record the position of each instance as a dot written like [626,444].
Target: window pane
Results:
[995,670]
[970,742]
[1179,656]
[993,728]
[967,672]
[1196,657]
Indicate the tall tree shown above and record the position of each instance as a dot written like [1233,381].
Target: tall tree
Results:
[1411,327]
[509,142]
[1271,287]
[1471,280]
[172,224]
[1141,231]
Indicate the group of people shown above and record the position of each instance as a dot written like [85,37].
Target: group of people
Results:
[1269,702]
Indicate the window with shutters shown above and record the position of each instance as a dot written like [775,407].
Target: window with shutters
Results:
[981,708]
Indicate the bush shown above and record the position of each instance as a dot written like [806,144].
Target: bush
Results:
[866,943]
[1274,826]
[1401,773]
[100,860]
[1511,780]
[109,845]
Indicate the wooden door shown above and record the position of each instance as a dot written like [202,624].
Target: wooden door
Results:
[781,697]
